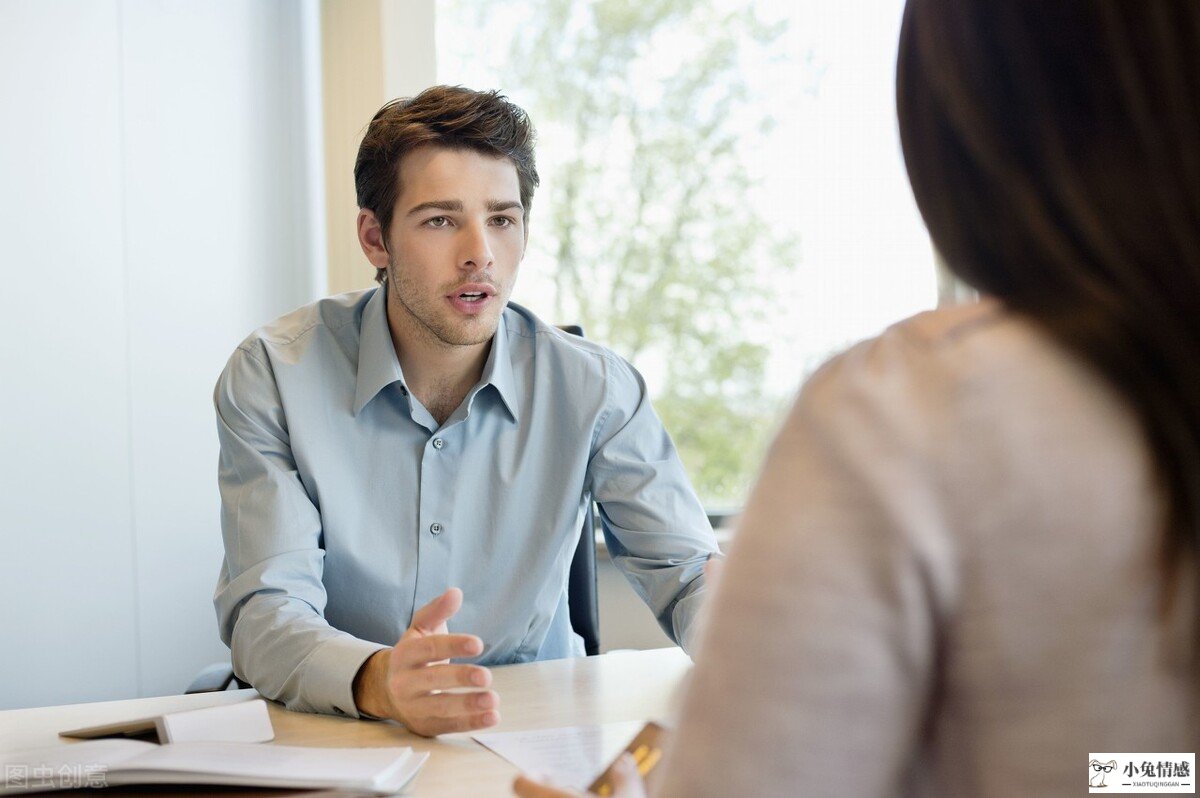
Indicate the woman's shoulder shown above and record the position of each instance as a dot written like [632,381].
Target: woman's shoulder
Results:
[974,352]
[954,336]
[973,388]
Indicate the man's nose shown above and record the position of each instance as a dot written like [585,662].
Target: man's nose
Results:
[476,250]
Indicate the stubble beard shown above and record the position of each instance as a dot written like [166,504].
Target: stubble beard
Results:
[429,319]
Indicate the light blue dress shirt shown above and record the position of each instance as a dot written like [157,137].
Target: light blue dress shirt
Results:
[345,506]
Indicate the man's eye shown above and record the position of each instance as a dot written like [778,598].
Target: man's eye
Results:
[503,221]
[437,221]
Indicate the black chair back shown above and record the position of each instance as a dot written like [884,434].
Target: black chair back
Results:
[582,598]
[581,588]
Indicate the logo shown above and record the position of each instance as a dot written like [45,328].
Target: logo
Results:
[1100,770]
[1142,773]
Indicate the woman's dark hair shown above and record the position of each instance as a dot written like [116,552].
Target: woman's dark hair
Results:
[1054,151]
[441,116]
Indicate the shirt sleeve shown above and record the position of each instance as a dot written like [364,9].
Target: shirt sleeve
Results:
[656,531]
[270,598]
[816,671]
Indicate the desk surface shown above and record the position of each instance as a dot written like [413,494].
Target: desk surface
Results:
[622,686]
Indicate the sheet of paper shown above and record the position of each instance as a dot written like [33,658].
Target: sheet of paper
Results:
[571,756]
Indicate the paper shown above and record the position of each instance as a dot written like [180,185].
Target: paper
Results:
[570,756]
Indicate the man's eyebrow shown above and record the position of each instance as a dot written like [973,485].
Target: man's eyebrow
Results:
[455,206]
[495,206]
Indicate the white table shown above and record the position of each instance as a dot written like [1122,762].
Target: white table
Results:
[622,686]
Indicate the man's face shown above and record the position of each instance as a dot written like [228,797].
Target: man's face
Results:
[457,237]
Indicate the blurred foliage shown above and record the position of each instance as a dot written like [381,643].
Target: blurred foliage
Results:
[647,207]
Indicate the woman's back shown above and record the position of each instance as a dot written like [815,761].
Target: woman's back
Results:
[954,567]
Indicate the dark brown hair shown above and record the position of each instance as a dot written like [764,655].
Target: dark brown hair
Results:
[441,116]
[1054,152]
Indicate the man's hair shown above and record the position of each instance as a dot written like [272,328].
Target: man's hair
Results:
[452,117]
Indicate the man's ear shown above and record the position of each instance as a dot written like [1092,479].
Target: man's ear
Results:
[371,239]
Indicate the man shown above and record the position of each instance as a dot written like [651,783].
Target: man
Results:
[382,449]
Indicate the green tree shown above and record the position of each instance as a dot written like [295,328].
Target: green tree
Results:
[647,208]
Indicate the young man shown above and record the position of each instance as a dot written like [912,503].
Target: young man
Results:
[397,460]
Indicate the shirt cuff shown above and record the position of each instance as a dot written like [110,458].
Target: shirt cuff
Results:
[330,671]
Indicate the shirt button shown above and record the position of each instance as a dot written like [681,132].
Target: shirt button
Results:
[435,528]
[438,443]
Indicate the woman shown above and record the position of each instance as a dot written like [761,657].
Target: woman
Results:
[971,558]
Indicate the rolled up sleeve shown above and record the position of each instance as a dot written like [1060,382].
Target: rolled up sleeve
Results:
[270,598]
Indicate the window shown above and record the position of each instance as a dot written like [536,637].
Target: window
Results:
[723,199]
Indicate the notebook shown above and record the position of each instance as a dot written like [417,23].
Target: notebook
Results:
[243,722]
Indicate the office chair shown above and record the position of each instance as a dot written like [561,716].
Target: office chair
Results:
[582,599]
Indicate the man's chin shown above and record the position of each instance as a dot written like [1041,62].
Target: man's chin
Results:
[473,333]
[463,341]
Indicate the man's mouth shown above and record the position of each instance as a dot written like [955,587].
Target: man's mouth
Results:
[474,292]
[472,298]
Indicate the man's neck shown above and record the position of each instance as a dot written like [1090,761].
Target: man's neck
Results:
[439,374]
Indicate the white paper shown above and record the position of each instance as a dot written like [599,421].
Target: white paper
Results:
[571,756]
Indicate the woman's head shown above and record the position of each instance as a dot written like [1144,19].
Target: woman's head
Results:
[1054,152]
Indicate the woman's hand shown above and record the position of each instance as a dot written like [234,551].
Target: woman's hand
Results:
[626,781]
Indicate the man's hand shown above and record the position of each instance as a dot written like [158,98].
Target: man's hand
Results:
[406,682]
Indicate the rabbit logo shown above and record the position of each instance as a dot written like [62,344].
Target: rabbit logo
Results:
[1099,770]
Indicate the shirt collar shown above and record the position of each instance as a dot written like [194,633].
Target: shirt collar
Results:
[378,366]
[498,370]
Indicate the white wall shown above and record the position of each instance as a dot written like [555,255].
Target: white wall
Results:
[372,51]
[156,204]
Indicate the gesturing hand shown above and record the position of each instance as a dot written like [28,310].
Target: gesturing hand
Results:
[407,682]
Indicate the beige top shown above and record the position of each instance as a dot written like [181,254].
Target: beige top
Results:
[945,583]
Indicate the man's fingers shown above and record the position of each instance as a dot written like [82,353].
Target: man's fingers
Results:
[431,726]
[408,683]
[446,677]
[412,652]
[447,706]
[435,614]
[452,712]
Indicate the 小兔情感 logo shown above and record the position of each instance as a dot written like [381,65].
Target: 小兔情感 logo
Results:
[1142,773]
